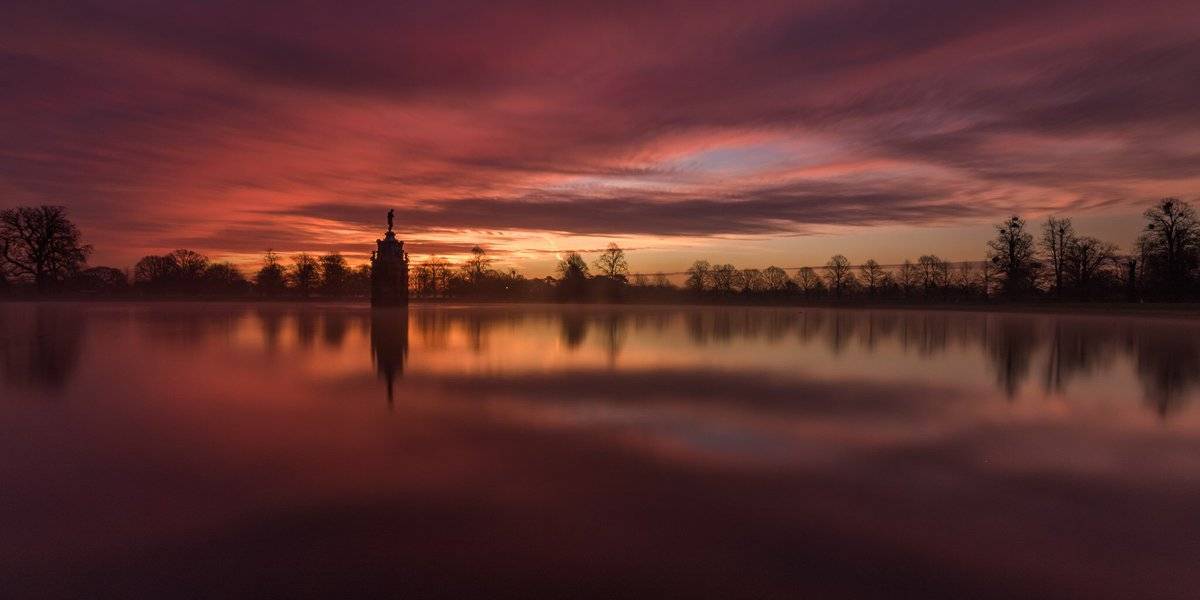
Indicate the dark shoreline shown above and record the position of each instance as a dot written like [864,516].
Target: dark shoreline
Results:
[1143,309]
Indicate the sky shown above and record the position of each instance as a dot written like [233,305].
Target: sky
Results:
[749,132]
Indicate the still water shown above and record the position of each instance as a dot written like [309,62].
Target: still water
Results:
[267,450]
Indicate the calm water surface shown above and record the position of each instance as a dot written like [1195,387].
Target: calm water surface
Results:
[224,450]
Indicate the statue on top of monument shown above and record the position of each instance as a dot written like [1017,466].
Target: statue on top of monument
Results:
[391,215]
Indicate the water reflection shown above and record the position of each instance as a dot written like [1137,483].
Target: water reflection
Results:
[42,342]
[40,345]
[389,345]
[245,449]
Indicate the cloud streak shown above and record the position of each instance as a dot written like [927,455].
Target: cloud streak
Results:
[160,123]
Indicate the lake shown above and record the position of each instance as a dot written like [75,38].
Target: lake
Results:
[327,450]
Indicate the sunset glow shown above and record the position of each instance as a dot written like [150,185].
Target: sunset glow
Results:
[773,132]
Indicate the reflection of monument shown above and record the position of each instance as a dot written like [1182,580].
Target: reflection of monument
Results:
[389,344]
[389,270]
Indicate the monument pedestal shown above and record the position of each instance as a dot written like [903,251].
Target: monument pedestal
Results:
[389,272]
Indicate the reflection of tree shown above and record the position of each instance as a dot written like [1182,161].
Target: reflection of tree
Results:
[1077,347]
[41,344]
[270,318]
[187,324]
[1168,363]
[333,328]
[1010,341]
[574,329]
[306,327]
[614,330]
[810,325]
[434,327]
[389,344]
[842,328]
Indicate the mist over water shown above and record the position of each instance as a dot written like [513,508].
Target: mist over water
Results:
[587,451]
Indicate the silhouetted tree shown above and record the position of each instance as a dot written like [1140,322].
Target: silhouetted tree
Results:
[809,282]
[775,279]
[1012,253]
[271,278]
[838,274]
[100,281]
[725,278]
[155,272]
[40,244]
[305,274]
[964,279]
[439,275]
[932,272]
[699,276]
[191,265]
[753,281]
[573,267]
[573,277]
[612,263]
[335,275]
[1087,262]
[179,272]
[1057,236]
[224,279]
[477,266]
[1170,245]
[906,277]
[872,275]
[360,281]
[420,281]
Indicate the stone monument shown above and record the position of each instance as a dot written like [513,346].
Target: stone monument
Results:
[389,270]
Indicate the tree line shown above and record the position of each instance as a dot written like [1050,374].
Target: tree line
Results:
[41,250]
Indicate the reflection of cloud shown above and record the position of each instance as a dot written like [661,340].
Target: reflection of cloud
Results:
[753,391]
[1013,344]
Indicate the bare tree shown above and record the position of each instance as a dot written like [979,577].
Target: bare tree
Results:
[191,264]
[1170,242]
[612,263]
[752,281]
[181,271]
[573,267]
[809,282]
[272,276]
[477,266]
[725,278]
[1012,253]
[335,274]
[421,280]
[1057,236]
[872,275]
[41,244]
[1086,261]
[224,278]
[932,272]
[775,279]
[838,273]
[941,270]
[699,276]
[305,273]
[964,278]
[439,272]
[906,277]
